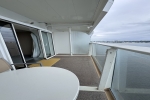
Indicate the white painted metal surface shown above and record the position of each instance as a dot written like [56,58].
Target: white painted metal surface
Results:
[102,12]
[139,49]
[90,49]
[41,83]
[54,11]
[70,38]
[89,88]
[22,23]
[42,43]
[51,45]
[106,78]
[57,11]
[108,5]
[62,42]
[10,14]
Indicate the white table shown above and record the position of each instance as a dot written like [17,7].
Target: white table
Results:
[41,83]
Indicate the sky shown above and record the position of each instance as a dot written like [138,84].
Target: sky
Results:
[127,20]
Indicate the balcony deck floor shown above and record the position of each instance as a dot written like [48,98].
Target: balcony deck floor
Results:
[85,70]
[88,95]
[82,66]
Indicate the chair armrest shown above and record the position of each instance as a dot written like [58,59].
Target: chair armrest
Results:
[26,63]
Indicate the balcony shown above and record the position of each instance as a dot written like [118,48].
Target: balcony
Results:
[84,68]
[124,68]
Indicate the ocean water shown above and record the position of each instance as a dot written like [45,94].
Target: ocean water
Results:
[136,44]
[131,80]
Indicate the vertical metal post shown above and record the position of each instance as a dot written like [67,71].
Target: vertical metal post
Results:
[50,47]
[54,48]
[106,79]
[70,41]
[53,39]
[90,49]
[52,44]
[94,49]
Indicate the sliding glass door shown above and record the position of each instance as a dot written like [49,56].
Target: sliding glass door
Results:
[48,44]
[51,43]
[6,29]
[30,43]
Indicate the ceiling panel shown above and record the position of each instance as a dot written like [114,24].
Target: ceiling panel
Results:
[23,9]
[74,28]
[85,9]
[55,11]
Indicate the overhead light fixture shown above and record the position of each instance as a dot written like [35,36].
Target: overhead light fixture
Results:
[32,23]
[89,27]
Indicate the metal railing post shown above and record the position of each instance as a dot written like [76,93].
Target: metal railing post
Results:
[90,49]
[106,78]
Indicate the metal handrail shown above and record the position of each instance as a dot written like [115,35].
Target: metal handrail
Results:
[138,49]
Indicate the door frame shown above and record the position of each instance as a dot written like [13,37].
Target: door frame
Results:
[18,44]
[43,47]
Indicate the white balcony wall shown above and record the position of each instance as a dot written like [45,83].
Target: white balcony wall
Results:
[61,42]
[80,43]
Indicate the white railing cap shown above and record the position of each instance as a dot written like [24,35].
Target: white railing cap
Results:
[139,49]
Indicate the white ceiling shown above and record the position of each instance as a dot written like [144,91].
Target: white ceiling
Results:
[56,11]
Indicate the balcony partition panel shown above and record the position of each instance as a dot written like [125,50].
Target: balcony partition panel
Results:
[80,43]
[131,80]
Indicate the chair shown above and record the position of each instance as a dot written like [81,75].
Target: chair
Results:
[6,66]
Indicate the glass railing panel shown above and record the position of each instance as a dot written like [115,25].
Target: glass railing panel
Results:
[131,80]
[99,55]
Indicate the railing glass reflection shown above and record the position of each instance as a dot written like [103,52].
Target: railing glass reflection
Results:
[99,55]
[131,80]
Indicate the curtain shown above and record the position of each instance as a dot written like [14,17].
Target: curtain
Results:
[36,49]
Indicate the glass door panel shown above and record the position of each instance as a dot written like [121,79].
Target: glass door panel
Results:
[11,43]
[46,44]
[51,43]
[30,43]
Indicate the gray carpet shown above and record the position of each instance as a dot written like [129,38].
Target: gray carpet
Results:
[82,66]
[84,69]
[86,95]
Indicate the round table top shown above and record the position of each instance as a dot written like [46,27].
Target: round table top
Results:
[40,83]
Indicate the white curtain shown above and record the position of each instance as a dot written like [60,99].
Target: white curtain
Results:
[36,50]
